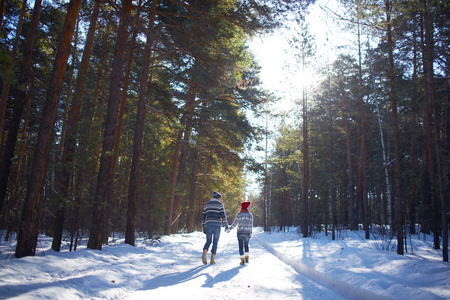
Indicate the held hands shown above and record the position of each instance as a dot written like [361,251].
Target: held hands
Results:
[227,229]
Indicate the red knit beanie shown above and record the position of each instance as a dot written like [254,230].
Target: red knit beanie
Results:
[244,206]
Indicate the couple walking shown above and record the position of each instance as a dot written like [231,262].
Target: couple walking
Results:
[213,217]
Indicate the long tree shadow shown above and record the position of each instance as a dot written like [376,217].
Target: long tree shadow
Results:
[81,284]
[173,278]
[223,276]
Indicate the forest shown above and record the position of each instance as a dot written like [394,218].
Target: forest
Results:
[124,116]
[370,146]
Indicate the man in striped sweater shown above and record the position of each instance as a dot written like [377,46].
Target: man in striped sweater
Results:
[213,217]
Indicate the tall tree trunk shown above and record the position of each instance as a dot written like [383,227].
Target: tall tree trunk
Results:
[170,202]
[414,150]
[194,176]
[445,172]
[415,178]
[305,193]
[67,103]
[173,178]
[123,100]
[13,206]
[435,131]
[7,80]
[429,135]
[352,215]
[178,185]
[183,154]
[266,185]
[58,223]
[386,171]
[139,133]
[332,190]
[362,140]
[106,171]
[68,150]
[123,103]
[392,96]
[20,96]
[28,233]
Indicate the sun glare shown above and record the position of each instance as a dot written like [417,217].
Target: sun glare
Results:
[269,54]
[304,78]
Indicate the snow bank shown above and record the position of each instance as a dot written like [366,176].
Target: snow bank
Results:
[352,267]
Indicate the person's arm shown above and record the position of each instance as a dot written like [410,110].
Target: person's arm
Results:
[204,219]
[251,233]
[236,221]
[223,216]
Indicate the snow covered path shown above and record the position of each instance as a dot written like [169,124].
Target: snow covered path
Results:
[171,269]
[283,265]
[265,277]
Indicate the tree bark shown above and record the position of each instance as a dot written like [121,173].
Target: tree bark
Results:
[386,171]
[414,150]
[139,133]
[305,193]
[173,177]
[352,215]
[430,172]
[28,233]
[178,185]
[393,100]
[7,80]
[106,171]
[13,206]
[123,103]
[194,176]
[332,190]
[435,131]
[362,149]
[20,99]
[183,153]
[68,150]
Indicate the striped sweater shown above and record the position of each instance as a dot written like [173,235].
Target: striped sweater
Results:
[214,212]
[244,222]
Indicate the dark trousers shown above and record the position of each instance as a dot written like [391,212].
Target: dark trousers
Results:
[243,239]
[212,235]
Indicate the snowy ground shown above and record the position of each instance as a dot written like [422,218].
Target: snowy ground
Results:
[282,266]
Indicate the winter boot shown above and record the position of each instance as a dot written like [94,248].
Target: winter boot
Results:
[242,261]
[212,259]
[246,258]
[204,256]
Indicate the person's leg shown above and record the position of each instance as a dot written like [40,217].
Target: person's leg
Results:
[240,238]
[246,239]
[209,234]
[216,234]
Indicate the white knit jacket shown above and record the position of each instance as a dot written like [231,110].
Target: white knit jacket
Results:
[244,222]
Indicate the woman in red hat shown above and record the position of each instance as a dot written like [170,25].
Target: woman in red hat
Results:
[244,223]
